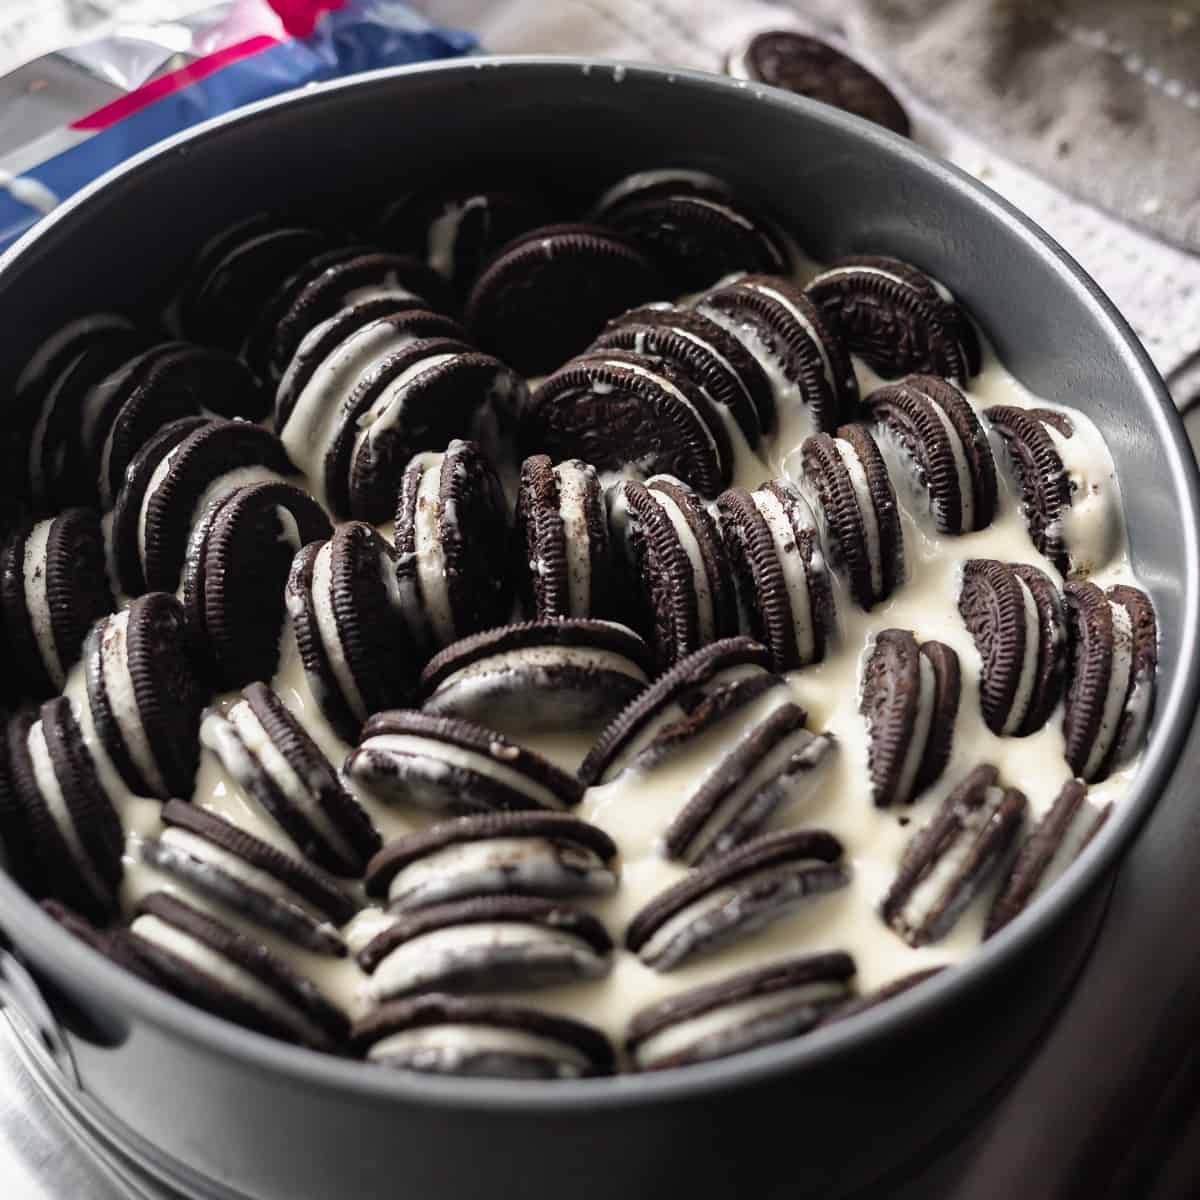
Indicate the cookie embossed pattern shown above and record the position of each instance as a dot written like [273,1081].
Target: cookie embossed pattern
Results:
[729,657]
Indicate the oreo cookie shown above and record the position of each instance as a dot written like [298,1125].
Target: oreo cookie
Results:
[730,376]
[156,509]
[73,829]
[857,503]
[896,318]
[696,235]
[545,295]
[909,700]
[539,675]
[230,974]
[352,642]
[53,586]
[808,366]
[881,995]
[753,1008]
[490,943]
[679,574]
[143,696]
[18,841]
[1053,845]
[271,756]
[736,895]
[563,558]
[939,437]
[782,580]
[810,67]
[452,575]
[1015,614]
[1110,693]
[166,382]
[328,284]
[480,1039]
[622,411]
[418,398]
[453,767]
[776,762]
[238,558]
[455,231]
[949,862]
[530,853]
[247,879]
[113,942]
[697,690]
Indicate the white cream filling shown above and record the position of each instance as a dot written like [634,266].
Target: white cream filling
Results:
[284,776]
[227,973]
[1028,674]
[156,481]
[1091,528]
[56,804]
[442,237]
[331,638]
[388,290]
[35,569]
[922,724]
[424,960]
[1068,849]
[714,353]
[431,559]
[683,1035]
[122,702]
[572,510]
[962,470]
[438,751]
[706,617]
[814,335]
[491,864]
[1118,685]
[866,510]
[795,573]
[460,1043]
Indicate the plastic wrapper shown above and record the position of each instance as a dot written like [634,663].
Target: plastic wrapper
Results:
[69,116]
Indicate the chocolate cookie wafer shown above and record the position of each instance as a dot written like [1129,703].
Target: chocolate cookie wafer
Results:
[909,699]
[735,895]
[881,995]
[453,766]
[949,861]
[750,1009]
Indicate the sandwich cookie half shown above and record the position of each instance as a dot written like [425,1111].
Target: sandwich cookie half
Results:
[531,853]
[450,766]
[238,557]
[881,995]
[943,446]
[742,1012]
[632,415]
[490,943]
[804,359]
[270,755]
[731,377]
[1015,614]
[73,828]
[697,690]
[541,675]
[896,318]
[351,638]
[247,879]
[948,863]
[782,579]
[564,565]
[1110,693]
[53,586]
[231,974]
[909,699]
[736,895]
[452,564]
[1053,845]
[477,1038]
[545,295]
[774,763]
[143,696]
[856,502]
[678,570]
[19,853]
[695,234]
